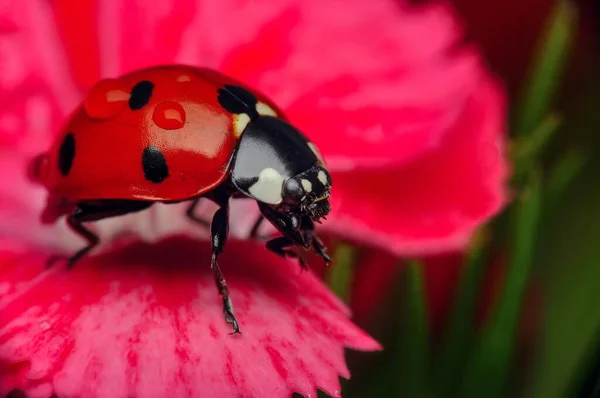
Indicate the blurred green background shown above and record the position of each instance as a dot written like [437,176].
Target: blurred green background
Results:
[522,316]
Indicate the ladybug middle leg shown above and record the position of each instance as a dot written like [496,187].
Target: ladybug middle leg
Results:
[191,214]
[87,212]
[256,227]
[219,230]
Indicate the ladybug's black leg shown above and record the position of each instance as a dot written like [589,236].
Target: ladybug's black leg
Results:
[296,231]
[74,223]
[320,249]
[256,226]
[219,231]
[280,246]
[317,244]
[288,224]
[86,212]
[193,216]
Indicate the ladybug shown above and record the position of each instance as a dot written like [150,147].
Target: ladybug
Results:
[178,133]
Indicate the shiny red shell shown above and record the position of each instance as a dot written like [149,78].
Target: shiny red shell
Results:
[182,119]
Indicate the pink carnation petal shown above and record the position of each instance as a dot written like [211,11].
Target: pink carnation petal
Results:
[77,26]
[109,39]
[37,93]
[435,203]
[385,77]
[34,77]
[145,320]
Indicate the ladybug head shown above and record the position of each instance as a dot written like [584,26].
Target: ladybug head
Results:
[277,165]
[309,192]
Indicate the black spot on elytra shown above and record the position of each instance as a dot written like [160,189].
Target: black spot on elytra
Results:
[66,154]
[140,94]
[155,165]
[236,99]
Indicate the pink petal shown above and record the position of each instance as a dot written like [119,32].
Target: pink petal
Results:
[384,78]
[435,203]
[145,321]
[37,93]
[34,78]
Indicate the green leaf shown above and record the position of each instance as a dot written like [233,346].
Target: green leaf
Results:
[412,351]
[489,365]
[460,331]
[546,69]
[340,273]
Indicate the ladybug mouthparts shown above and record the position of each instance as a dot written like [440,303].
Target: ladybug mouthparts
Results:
[317,209]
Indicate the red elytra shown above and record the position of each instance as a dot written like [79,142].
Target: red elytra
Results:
[182,118]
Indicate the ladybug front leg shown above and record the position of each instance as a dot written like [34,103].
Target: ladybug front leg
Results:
[296,230]
[286,223]
[308,228]
[219,231]
[280,246]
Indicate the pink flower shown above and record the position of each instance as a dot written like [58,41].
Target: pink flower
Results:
[410,123]
[145,321]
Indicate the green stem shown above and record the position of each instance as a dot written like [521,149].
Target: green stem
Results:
[340,275]
[413,344]
[489,367]
[546,69]
[460,330]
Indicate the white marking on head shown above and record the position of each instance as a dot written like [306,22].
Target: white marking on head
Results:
[240,121]
[316,151]
[307,185]
[265,110]
[183,78]
[322,177]
[268,187]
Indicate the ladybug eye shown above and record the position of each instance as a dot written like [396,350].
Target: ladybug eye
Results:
[293,190]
